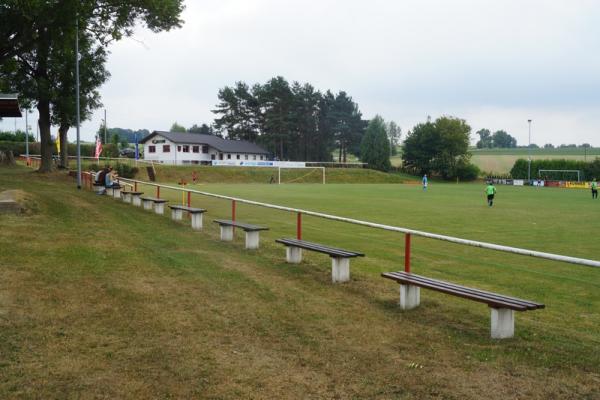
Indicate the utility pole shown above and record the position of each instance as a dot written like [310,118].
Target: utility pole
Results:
[529,154]
[26,137]
[77,100]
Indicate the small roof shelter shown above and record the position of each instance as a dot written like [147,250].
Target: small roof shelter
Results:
[9,106]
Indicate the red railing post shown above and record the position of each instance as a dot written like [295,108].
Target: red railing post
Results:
[407,252]
[299,226]
[189,199]
[233,210]
[158,192]
[135,186]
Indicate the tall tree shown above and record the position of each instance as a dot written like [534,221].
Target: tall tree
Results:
[485,139]
[502,139]
[439,147]
[177,128]
[36,28]
[375,146]
[394,134]
[275,99]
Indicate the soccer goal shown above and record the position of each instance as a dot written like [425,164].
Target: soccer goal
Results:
[559,174]
[300,174]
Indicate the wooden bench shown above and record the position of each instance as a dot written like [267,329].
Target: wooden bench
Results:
[99,188]
[340,259]
[114,190]
[252,231]
[195,213]
[158,204]
[502,307]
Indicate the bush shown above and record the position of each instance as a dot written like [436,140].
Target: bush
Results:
[589,170]
[126,171]
[467,172]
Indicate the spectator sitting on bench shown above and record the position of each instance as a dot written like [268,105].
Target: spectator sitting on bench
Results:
[110,177]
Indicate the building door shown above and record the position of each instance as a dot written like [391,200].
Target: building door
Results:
[220,156]
[212,157]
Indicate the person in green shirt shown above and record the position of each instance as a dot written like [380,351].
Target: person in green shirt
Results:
[490,190]
[594,189]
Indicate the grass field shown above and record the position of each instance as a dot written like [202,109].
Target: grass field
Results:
[99,299]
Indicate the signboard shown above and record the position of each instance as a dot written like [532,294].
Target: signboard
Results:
[577,185]
[518,182]
[245,163]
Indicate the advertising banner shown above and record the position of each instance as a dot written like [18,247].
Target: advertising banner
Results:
[518,182]
[577,185]
[245,163]
[552,183]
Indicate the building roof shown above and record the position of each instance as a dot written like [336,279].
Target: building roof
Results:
[9,105]
[223,145]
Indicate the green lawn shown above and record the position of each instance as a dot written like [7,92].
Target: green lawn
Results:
[100,299]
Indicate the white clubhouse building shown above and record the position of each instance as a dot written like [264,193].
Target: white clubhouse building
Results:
[195,148]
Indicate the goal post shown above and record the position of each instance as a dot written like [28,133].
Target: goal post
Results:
[279,181]
[561,173]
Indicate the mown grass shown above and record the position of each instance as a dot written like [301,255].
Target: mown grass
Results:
[99,299]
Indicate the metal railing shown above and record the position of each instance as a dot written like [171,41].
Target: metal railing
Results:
[408,232]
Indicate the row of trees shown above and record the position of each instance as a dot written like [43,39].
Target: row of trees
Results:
[37,53]
[498,139]
[590,170]
[293,121]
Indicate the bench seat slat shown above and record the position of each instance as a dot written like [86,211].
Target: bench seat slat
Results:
[401,275]
[243,225]
[132,193]
[188,209]
[154,199]
[492,299]
[332,251]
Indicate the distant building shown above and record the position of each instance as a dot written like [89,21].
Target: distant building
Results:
[9,106]
[195,148]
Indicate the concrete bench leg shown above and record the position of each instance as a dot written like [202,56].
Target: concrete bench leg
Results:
[226,233]
[252,240]
[110,192]
[410,296]
[126,198]
[293,255]
[136,201]
[176,215]
[99,189]
[197,221]
[503,323]
[147,204]
[159,208]
[340,269]
[117,193]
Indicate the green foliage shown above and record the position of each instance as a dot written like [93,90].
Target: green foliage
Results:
[295,122]
[203,129]
[439,147]
[485,139]
[394,133]
[177,128]
[467,172]
[87,150]
[589,170]
[18,136]
[375,146]
[126,170]
[499,139]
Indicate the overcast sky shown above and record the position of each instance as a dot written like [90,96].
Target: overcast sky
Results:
[494,63]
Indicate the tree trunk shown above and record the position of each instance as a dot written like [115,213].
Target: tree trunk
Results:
[45,139]
[345,150]
[64,146]
[340,153]
[43,98]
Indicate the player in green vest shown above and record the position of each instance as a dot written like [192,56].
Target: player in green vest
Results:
[490,190]
[594,189]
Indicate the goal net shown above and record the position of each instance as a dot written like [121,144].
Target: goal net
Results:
[560,174]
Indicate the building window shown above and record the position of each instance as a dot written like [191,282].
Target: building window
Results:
[261,157]
[238,156]
[229,156]
[179,149]
[205,149]
[151,149]
[254,157]
[186,148]
[195,149]
[245,156]
[166,148]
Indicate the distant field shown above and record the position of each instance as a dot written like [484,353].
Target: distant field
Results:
[99,299]
[594,151]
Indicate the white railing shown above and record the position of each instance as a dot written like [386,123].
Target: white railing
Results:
[408,232]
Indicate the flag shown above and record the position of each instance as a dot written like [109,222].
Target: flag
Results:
[137,152]
[58,143]
[98,148]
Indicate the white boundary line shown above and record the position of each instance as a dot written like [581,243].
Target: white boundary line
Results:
[451,239]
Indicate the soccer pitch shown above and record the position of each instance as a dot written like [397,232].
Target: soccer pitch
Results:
[104,299]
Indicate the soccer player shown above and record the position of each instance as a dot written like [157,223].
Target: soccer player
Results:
[594,189]
[425,182]
[490,190]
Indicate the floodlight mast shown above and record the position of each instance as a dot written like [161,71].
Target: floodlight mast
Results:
[529,155]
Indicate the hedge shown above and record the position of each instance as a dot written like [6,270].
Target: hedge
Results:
[87,150]
[590,170]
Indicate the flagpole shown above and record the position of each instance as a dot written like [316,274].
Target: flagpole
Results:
[77,100]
